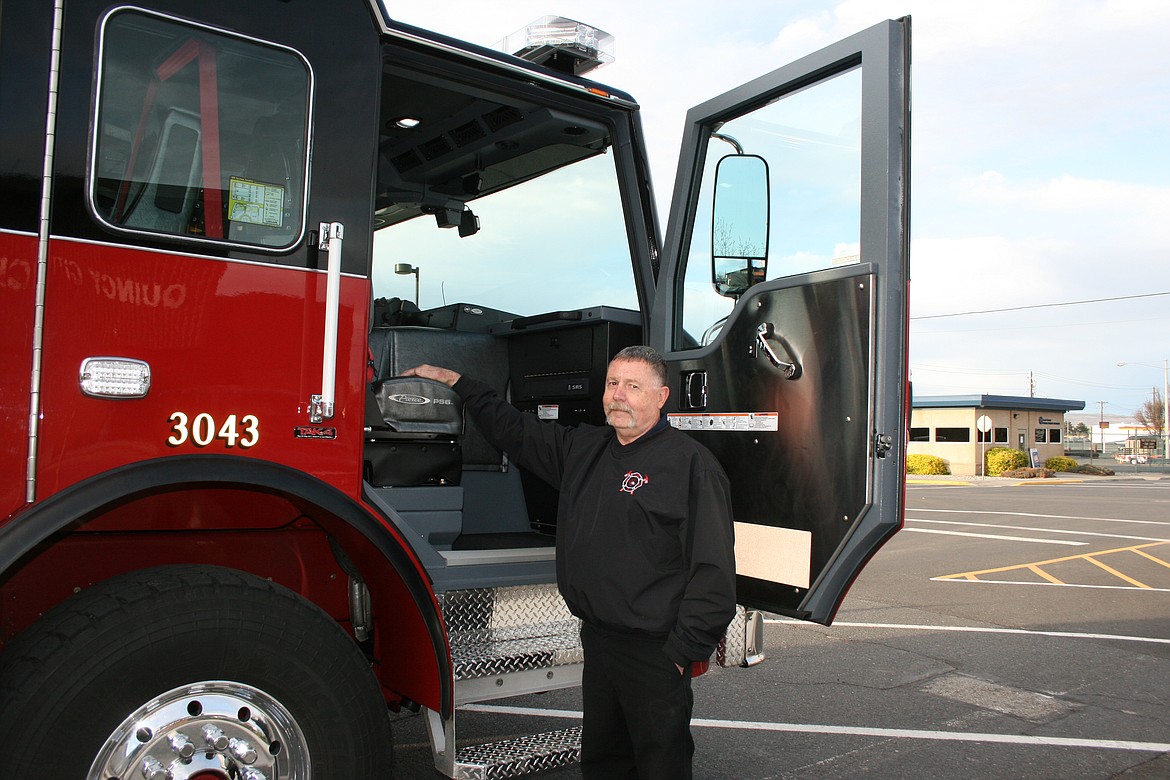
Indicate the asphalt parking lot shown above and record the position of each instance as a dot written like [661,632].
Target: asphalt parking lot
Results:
[1011,630]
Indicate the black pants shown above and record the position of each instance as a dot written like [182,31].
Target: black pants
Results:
[637,711]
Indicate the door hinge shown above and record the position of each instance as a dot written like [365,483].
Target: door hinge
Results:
[882,444]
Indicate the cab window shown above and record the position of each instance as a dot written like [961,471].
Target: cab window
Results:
[810,143]
[200,135]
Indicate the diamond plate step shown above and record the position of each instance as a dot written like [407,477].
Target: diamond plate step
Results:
[502,631]
[519,757]
[537,647]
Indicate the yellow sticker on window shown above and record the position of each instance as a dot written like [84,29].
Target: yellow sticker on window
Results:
[255,202]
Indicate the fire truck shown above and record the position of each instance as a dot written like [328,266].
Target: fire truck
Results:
[233,537]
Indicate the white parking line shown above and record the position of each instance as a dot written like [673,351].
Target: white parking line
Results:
[1045,517]
[859,731]
[974,629]
[1043,530]
[992,536]
[1130,588]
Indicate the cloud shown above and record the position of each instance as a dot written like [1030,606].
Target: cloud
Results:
[1039,163]
[1138,203]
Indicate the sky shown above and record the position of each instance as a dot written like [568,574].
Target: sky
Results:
[1040,183]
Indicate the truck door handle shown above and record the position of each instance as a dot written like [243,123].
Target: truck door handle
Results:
[790,368]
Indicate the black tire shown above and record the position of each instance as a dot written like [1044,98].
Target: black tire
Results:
[215,641]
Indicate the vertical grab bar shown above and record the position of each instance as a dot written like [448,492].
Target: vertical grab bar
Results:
[321,406]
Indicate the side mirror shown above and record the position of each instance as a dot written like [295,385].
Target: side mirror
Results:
[739,224]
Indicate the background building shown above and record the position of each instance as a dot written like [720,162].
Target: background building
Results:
[1104,442]
[947,426]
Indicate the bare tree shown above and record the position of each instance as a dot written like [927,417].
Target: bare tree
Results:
[1151,414]
[728,244]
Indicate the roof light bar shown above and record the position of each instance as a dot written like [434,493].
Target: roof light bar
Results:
[561,44]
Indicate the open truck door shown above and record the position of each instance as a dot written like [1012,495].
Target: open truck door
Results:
[782,310]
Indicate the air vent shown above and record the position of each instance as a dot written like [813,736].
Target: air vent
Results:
[501,117]
[468,133]
[406,161]
[435,148]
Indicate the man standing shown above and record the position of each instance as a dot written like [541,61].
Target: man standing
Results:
[645,557]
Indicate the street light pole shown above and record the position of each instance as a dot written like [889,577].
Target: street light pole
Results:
[405,269]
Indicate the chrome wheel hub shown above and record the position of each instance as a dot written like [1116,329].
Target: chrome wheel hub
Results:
[203,731]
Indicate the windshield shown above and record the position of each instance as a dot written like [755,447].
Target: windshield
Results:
[554,243]
[497,200]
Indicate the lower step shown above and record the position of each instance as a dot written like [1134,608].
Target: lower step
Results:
[519,757]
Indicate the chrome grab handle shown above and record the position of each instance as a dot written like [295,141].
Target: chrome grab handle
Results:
[321,405]
[790,369]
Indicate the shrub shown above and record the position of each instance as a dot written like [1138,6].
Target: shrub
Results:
[1099,471]
[926,464]
[1060,463]
[1001,459]
[1029,473]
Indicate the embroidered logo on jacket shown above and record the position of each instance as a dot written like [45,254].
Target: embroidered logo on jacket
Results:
[633,480]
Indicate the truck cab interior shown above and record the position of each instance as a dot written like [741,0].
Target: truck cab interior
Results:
[511,207]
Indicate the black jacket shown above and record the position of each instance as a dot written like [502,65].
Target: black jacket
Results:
[645,545]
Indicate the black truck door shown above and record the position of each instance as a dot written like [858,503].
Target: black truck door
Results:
[782,309]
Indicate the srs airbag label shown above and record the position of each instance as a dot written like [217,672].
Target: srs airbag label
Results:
[726,421]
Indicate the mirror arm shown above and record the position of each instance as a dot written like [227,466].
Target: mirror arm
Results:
[728,139]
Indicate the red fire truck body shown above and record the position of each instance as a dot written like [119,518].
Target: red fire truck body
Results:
[212,519]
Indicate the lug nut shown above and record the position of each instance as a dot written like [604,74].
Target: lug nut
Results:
[242,750]
[214,737]
[152,769]
[182,745]
[252,773]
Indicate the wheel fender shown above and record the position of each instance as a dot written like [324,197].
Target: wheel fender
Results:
[88,498]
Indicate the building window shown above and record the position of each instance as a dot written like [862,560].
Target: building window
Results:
[982,437]
[1054,435]
[1041,435]
[1001,436]
[920,434]
[952,434]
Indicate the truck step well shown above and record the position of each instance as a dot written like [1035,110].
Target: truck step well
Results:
[502,631]
[505,642]
[532,647]
[519,757]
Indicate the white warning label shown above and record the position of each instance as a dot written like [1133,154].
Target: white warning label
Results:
[726,421]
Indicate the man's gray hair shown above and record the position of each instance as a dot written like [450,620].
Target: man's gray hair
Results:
[647,355]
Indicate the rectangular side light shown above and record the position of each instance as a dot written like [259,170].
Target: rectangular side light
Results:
[114,377]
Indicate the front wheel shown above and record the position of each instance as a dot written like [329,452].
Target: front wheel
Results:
[190,672]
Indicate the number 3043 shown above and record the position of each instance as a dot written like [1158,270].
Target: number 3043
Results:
[203,430]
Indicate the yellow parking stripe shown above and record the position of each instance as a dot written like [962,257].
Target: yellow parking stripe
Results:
[1145,554]
[1046,575]
[1115,572]
[1037,567]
